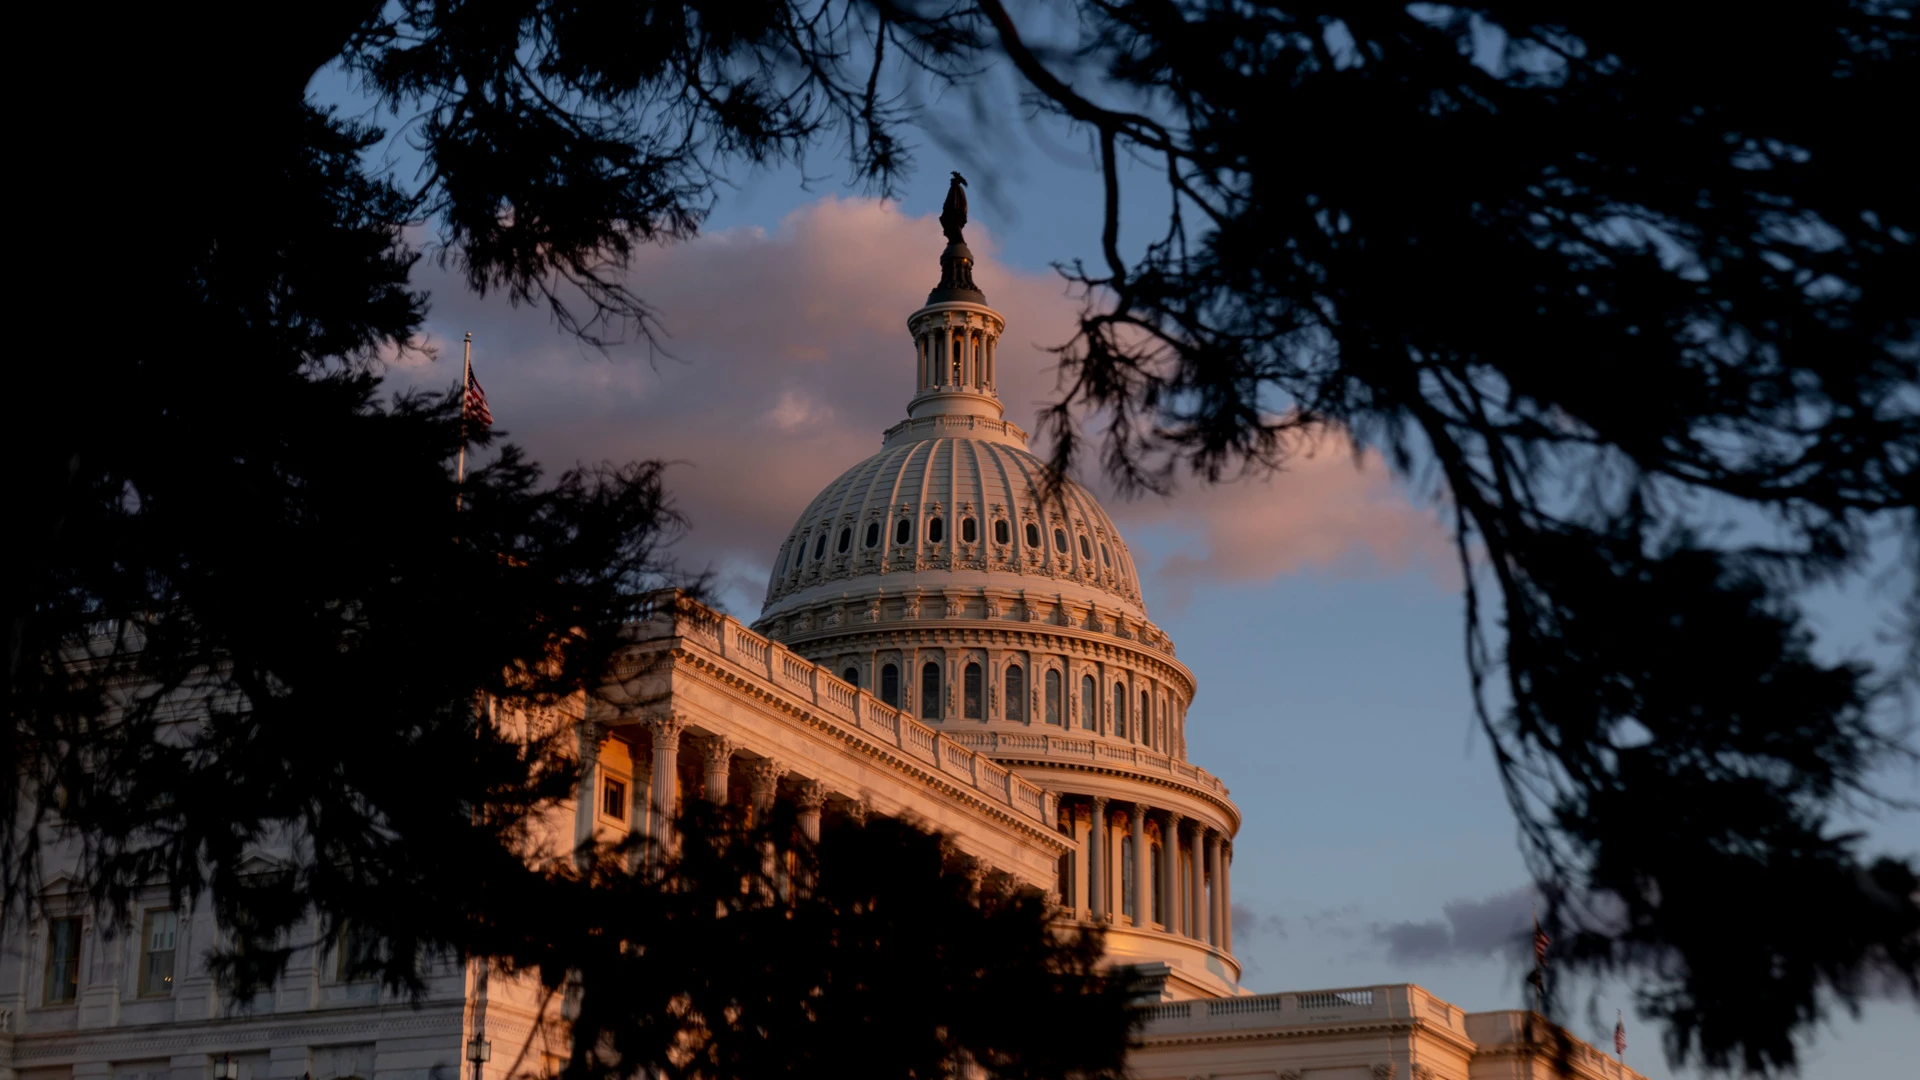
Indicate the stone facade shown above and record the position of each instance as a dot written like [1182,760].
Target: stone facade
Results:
[947,637]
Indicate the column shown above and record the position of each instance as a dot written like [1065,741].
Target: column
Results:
[1170,870]
[666,777]
[1197,885]
[1142,869]
[1226,897]
[1218,894]
[763,784]
[1096,863]
[717,752]
[639,811]
[811,797]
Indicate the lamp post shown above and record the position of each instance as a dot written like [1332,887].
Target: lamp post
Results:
[479,1050]
[226,1068]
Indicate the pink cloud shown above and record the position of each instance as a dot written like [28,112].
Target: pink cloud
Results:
[790,355]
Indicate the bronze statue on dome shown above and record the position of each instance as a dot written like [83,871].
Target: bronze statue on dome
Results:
[953,212]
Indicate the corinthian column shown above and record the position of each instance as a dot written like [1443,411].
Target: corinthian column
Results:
[1170,871]
[717,751]
[666,777]
[1096,863]
[810,798]
[1142,869]
[1197,888]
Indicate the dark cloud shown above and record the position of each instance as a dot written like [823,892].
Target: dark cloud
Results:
[1470,929]
[1250,923]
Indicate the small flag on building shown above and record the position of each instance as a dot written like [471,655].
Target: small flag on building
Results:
[1619,1033]
[475,406]
[1540,943]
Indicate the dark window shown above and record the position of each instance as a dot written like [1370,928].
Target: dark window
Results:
[1060,539]
[1127,905]
[846,541]
[356,954]
[890,685]
[63,961]
[1106,557]
[1053,698]
[873,534]
[1086,550]
[1064,879]
[613,798]
[1119,710]
[970,692]
[1000,531]
[820,546]
[1033,535]
[158,932]
[1145,733]
[930,691]
[936,530]
[969,532]
[851,676]
[1089,704]
[1016,694]
[903,532]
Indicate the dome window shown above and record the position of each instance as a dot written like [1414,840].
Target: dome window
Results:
[851,677]
[1001,534]
[903,532]
[873,534]
[969,531]
[890,685]
[1053,693]
[846,541]
[970,692]
[1086,549]
[930,691]
[936,530]
[1060,539]
[1016,694]
[1119,710]
[820,546]
[1106,557]
[1089,704]
[1033,535]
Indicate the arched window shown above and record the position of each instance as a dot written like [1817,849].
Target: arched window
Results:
[846,541]
[930,691]
[969,531]
[1127,906]
[1089,704]
[1053,697]
[1001,533]
[1086,550]
[1106,557]
[970,692]
[820,546]
[873,534]
[903,532]
[890,685]
[1016,694]
[936,530]
[1060,539]
[1145,732]
[851,676]
[1033,535]
[1119,710]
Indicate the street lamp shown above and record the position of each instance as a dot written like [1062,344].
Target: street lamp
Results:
[226,1068]
[479,1050]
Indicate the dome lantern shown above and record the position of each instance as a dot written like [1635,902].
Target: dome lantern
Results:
[956,335]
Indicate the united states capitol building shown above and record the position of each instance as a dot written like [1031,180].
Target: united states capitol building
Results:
[943,638]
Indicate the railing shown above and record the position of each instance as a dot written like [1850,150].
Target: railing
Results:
[1035,744]
[1334,999]
[1172,1010]
[1236,1006]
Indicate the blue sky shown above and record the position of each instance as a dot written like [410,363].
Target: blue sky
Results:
[1333,696]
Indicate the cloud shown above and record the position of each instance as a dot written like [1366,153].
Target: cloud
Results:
[790,355]
[1471,929]
[1250,923]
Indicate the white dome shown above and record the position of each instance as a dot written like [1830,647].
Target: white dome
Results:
[937,512]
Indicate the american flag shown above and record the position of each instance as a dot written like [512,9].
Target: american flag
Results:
[1540,943]
[475,406]
[1619,1033]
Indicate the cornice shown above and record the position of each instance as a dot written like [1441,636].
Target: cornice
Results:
[1397,1025]
[1142,655]
[1227,806]
[228,1033]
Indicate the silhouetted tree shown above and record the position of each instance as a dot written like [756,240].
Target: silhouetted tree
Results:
[1606,276]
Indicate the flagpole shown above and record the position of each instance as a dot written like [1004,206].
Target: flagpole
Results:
[466,384]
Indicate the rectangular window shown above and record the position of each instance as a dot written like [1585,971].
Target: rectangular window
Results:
[1016,694]
[357,954]
[1053,697]
[613,798]
[1127,906]
[1064,884]
[157,938]
[63,961]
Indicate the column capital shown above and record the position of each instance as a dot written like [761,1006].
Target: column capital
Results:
[716,750]
[811,796]
[666,729]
